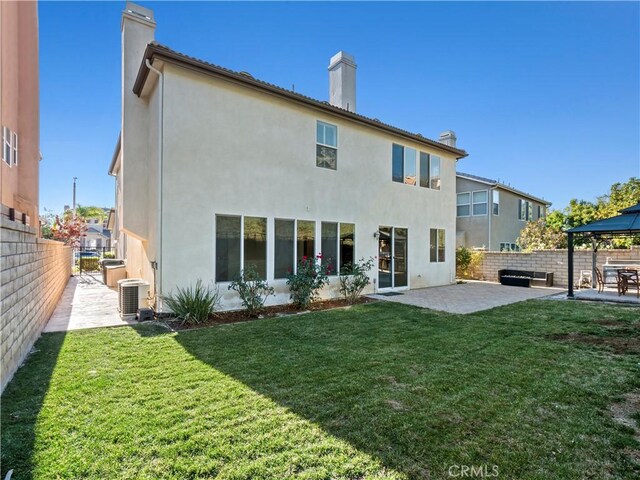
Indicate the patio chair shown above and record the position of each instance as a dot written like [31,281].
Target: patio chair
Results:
[586,279]
[628,278]
[600,280]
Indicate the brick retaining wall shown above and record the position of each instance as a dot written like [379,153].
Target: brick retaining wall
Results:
[33,274]
[549,261]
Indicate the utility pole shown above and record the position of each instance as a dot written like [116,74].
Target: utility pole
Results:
[74,196]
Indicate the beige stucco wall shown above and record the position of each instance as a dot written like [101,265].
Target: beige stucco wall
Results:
[19,104]
[232,150]
[33,274]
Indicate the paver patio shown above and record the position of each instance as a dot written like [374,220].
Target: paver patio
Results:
[468,297]
[86,303]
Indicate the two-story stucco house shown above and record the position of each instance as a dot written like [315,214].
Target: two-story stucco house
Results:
[216,170]
[490,214]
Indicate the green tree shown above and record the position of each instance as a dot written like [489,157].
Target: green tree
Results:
[539,235]
[556,220]
[85,213]
[47,221]
[620,196]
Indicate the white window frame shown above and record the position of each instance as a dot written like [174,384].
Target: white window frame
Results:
[528,210]
[495,201]
[509,247]
[438,230]
[324,144]
[6,142]
[479,203]
[14,149]
[463,204]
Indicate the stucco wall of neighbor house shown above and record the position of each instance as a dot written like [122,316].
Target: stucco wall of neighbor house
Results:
[20,105]
[505,227]
[33,273]
[232,150]
[550,261]
[475,227]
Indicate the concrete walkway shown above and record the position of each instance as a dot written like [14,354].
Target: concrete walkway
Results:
[86,303]
[468,297]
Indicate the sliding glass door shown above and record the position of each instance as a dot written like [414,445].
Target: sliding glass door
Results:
[392,257]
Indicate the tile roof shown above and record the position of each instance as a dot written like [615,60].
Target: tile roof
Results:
[164,53]
[496,183]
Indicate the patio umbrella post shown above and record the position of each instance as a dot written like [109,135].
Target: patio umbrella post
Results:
[570,263]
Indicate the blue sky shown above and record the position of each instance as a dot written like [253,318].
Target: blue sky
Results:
[543,96]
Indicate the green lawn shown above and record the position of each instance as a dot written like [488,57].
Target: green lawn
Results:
[377,391]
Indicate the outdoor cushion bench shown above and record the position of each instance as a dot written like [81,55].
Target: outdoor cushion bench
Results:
[525,278]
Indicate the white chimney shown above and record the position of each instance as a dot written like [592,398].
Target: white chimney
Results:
[342,81]
[448,138]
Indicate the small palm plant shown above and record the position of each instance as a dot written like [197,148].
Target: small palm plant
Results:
[193,304]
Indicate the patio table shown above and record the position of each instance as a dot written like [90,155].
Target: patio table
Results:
[628,276]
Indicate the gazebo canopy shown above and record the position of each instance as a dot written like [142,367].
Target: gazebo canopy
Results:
[625,224]
[628,223]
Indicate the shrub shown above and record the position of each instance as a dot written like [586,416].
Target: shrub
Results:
[109,255]
[353,279]
[252,289]
[194,303]
[468,263]
[89,264]
[309,278]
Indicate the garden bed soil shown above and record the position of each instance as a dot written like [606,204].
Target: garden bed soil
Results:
[235,316]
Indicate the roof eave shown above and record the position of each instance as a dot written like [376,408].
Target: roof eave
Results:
[170,56]
[114,158]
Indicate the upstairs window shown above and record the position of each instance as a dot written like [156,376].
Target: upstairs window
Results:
[326,145]
[525,210]
[397,165]
[434,172]
[480,202]
[424,170]
[464,204]
[409,166]
[496,202]
[406,165]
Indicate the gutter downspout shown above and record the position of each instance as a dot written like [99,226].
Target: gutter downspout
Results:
[490,215]
[157,265]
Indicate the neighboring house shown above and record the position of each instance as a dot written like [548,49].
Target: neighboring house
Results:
[490,214]
[216,170]
[35,271]
[19,111]
[96,237]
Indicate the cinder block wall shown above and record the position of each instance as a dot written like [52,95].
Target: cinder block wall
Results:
[550,261]
[33,274]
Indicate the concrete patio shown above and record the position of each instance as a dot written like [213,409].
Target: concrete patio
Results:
[86,303]
[608,295]
[468,297]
